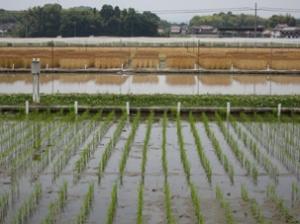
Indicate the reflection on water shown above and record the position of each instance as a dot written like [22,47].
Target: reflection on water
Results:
[153,84]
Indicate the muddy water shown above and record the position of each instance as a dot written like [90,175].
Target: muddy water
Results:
[154,84]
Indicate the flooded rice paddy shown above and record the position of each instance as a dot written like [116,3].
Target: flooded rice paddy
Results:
[109,168]
[154,84]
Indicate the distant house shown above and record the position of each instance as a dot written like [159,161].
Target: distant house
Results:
[276,32]
[203,30]
[175,29]
[241,31]
[285,31]
[290,32]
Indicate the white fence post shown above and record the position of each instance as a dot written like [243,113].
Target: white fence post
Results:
[228,109]
[178,107]
[127,108]
[27,107]
[279,110]
[76,107]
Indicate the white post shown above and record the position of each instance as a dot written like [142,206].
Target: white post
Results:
[35,70]
[47,66]
[178,107]
[85,67]
[27,107]
[13,67]
[122,66]
[195,66]
[228,109]
[232,67]
[76,107]
[127,108]
[279,110]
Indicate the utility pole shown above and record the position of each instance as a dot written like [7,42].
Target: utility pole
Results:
[255,20]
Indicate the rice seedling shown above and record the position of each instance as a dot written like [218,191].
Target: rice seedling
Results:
[109,147]
[28,206]
[228,167]
[112,205]
[282,209]
[196,204]
[225,205]
[86,206]
[256,210]
[139,215]
[145,146]
[164,143]
[57,206]
[203,159]
[295,194]
[127,146]
[4,206]
[183,156]
[239,154]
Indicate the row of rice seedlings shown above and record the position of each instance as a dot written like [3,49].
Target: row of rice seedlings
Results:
[256,210]
[225,205]
[196,204]
[140,205]
[186,168]
[57,206]
[145,146]
[168,203]
[164,143]
[128,144]
[203,159]
[4,206]
[109,147]
[90,148]
[228,167]
[295,194]
[183,156]
[86,206]
[239,154]
[111,211]
[167,193]
[29,206]
[259,156]
[77,140]
[283,210]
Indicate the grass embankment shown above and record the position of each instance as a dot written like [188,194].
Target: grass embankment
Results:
[155,100]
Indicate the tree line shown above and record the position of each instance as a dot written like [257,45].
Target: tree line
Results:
[230,20]
[52,20]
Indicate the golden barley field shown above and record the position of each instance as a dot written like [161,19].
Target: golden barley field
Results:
[152,57]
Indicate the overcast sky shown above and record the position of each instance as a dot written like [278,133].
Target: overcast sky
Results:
[143,5]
